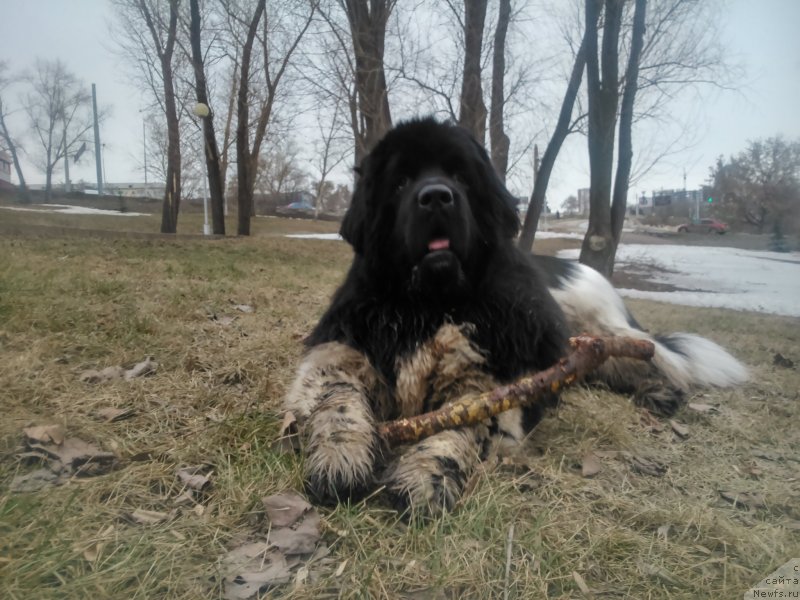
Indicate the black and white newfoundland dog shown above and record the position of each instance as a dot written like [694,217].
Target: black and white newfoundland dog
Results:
[439,303]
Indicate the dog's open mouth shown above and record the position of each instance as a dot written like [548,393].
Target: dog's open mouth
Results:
[438,244]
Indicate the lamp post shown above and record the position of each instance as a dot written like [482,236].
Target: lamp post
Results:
[201,110]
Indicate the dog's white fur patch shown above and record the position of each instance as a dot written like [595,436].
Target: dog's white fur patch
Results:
[593,306]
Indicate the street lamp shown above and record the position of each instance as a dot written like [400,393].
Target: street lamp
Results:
[201,110]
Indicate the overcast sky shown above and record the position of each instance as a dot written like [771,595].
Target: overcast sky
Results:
[762,35]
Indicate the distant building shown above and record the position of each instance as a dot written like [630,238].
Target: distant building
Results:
[669,203]
[134,190]
[5,172]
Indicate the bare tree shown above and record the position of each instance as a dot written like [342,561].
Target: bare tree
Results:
[275,62]
[563,127]
[759,185]
[329,155]
[368,33]
[8,141]
[279,170]
[497,135]
[606,217]
[619,202]
[58,109]
[147,35]
[472,114]
[213,171]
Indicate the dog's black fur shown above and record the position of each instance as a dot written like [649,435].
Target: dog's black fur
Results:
[397,293]
[438,303]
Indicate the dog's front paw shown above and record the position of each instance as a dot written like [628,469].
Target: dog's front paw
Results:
[429,478]
[342,451]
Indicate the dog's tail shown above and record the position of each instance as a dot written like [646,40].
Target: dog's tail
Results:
[691,360]
[592,305]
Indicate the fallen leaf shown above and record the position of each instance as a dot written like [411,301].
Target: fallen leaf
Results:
[293,543]
[779,360]
[34,481]
[703,408]
[301,538]
[186,497]
[679,428]
[77,456]
[746,499]
[301,577]
[196,477]
[286,508]
[591,465]
[252,569]
[581,584]
[245,308]
[288,441]
[111,414]
[663,532]
[149,517]
[93,548]
[45,434]
[650,422]
[340,569]
[147,367]
[107,374]
[646,466]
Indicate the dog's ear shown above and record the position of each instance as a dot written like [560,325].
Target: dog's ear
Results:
[502,206]
[354,224]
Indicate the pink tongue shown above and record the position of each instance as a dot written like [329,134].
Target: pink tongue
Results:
[443,244]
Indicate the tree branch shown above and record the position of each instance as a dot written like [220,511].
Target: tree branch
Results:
[587,354]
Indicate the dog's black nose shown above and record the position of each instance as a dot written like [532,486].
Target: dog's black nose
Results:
[435,195]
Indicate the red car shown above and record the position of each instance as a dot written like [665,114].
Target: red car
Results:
[704,226]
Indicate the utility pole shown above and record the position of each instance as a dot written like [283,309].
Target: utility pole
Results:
[97,149]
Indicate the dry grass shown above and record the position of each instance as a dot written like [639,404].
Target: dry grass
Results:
[70,303]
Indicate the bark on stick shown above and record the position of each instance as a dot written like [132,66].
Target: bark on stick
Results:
[587,354]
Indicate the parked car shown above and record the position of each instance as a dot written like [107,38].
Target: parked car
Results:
[295,209]
[704,226]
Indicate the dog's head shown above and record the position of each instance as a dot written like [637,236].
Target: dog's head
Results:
[429,208]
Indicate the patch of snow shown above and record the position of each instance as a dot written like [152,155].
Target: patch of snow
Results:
[66,209]
[549,235]
[766,282]
[315,236]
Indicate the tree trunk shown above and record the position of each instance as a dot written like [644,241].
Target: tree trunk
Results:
[622,180]
[211,150]
[497,135]
[560,133]
[472,111]
[368,32]
[597,250]
[244,164]
[172,191]
[12,148]
[48,183]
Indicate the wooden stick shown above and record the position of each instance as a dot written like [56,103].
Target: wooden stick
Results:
[587,354]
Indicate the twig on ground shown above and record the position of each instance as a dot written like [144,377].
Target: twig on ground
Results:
[587,354]
[509,546]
